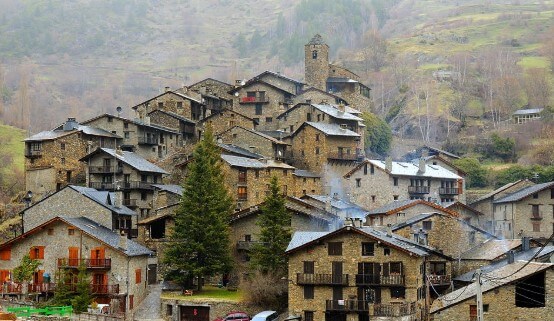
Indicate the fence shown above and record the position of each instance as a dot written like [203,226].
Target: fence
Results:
[97,317]
[28,311]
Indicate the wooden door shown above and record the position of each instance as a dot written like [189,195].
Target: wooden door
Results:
[194,313]
[337,272]
[97,256]
[73,256]
[152,272]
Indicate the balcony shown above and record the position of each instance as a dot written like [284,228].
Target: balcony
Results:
[12,288]
[344,156]
[439,279]
[347,305]
[147,140]
[40,287]
[392,310]
[130,202]
[448,191]
[88,263]
[105,169]
[376,279]
[33,153]
[418,189]
[321,279]
[254,100]
[104,288]
[102,186]
[137,185]
[131,233]
[247,245]
[536,216]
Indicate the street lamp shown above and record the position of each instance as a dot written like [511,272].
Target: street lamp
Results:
[27,199]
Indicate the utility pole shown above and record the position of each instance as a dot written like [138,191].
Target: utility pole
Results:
[479,296]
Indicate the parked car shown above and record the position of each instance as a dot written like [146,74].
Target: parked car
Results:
[265,316]
[235,316]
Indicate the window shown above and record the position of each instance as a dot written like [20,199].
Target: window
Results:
[372,169]
[169,309]
[285,172]
[257,173]
[535,210]
[160,104]
[179,104]
[126,125]
[386,251]
[126,135]
[358,182]
[242,193]
[536,227]
[138,276]
[259,109]
[314,54]
[309,267]
[552,193]
[427,225]
[334,248]
[437,268]
[50,231]
[368,248]
[536,195]
[365,169]
[248,238]
[110,119]
[269,119]
[395,197]
[317,150]
[397,293]
[373,198]
[308,292]
[143,196]
[530,292]
[308,316]
[62,146]
[62,160]
[37,252]
[317,137]
[5,255]
[70,231]
[242,175]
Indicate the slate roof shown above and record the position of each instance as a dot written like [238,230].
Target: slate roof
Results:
[273,140]
[326,93]
[528,111]
[175,189]
[409,169]
[253,163]
[305,173]
[174,115]
[334,112]
[330,129]
[104,198]
[239,150]
[106,236]
[300,239]
[132,121]
[491,249]
[56,133]
[518,256]
[169,92]
[413,220]
[316,40]
[279,75]
[505,275]
[131,159]
[496,191]
[397,206]
[336,203]
[390,207]
[524,192]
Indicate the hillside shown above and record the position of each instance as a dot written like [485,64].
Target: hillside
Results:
[11,161]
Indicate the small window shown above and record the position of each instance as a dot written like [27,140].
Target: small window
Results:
[317,137]
[395,181]
[317,150]
[179,104]
[126,125]
[50,231]
[386,251]
[269,119]
[427,225]
[372,169]
[110,119]
[248,238]
[308,315]
[308,292]
[536,195]
[314,54]
[395,197]
[168,309]
[62,146]
[160,104]
[358,182]
[368,248]
[143,196]
[309,267]
[126,135]
[365,169]
[70,231]
[334,248]
[373,198]
[62,160]
[397,293]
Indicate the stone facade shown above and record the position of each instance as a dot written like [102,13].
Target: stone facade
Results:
[184,126]
[326,297]
[278,80]
[170,308]
[182,104]
[316,63]
[317,96]
[225,120]
[403,213]
[256,142]
[214,87]
[467,213]
[57,238]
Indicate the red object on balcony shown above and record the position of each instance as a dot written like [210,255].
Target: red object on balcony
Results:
[248,99]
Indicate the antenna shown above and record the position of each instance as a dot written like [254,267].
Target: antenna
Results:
[119,109]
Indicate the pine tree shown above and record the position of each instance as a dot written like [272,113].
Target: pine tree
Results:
[275,235]
[62,292]
[83,297]
[200,240]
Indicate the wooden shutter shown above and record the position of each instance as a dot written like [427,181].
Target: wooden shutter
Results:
[385,269]
[6,254]
[39,277]
[73,256]
[460,186]
[138,276]
[41,252]
[4,276]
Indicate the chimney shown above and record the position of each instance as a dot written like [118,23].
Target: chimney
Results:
[424,152]
[166,88]
[389,230]
[422,165]
[511,257]
[388,164]
[119,151]
[525,243]
[70,124]
[122,244]
[328,206]
[349,221]
[341,108]
[146,120]
[308,101]
[118,199]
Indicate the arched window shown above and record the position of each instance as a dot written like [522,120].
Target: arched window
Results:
[314,54]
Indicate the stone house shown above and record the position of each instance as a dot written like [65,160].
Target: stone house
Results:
[117,170]
[485,203]
[245,231]
[216,88]
[443,232]
[488,252]
[180,102]
[225,120]
[167,119]
[281,81]
[103,207]
[248,179]
[256,142]
[523,116]
[314,145]
[117,266]
[397,212]
[318,96]
[52,157]
[525,212]
[339,207]
[341,82]
[467,213]
[360,272]
[262,102]
[374,183]
[234,150]
[430,152]
[517,291]
[140,136]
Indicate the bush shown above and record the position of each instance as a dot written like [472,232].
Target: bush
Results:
[378,136]
[267,290]
[503,148]
[476,174]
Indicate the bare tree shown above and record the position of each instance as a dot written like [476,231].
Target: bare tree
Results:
[375,51]
[538,87]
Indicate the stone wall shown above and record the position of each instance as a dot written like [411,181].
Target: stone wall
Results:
[316,66]
[225,120]
[292,120]
[218,308]
[253,142]
[287,85]
[274,106]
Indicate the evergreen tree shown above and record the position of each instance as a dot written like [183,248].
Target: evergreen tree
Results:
[62,292]
[200,240]
[25,271]
[275,235]
[378,136]
[83,297]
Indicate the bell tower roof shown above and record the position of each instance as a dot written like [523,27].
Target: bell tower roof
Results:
[317,40]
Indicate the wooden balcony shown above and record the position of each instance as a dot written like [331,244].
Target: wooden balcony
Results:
[439,279]
[142,140]
[105,169]
[346,305]
[418,189]
[536,216]
[102,186]
[247,245]
[448,191]
[376,279]
[88,263]
[41,287]
[130,202]
[33,153]
[12,288]
[104,288]
[343,156]
[392,310]
[322,279]
[253,100]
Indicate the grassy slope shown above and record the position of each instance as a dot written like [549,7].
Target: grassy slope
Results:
[12,144]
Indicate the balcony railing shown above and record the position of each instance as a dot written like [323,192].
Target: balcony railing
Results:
[130,202]
[418,189]
[376,279]
[392,310]
[439,279]
[536,216]
[105,169]
[125,185]
[448,191]
[88,263]
[101,186]
[12,287]
[33,153]
[322,279]
[247,245]
[41,287]
[148,140]
[104,288]
[344,156]
[347,305]
[253,100]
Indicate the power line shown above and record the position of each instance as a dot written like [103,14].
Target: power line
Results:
[450,300]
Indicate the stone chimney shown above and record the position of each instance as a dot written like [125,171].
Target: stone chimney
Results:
[167,88]
[525,243]
[424,152]
[341,108]
[389,230]
[328,206]
[122,244]
[511,257]
[422,165]
[118,202]
[119,151]
[388,164]
[70,124]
